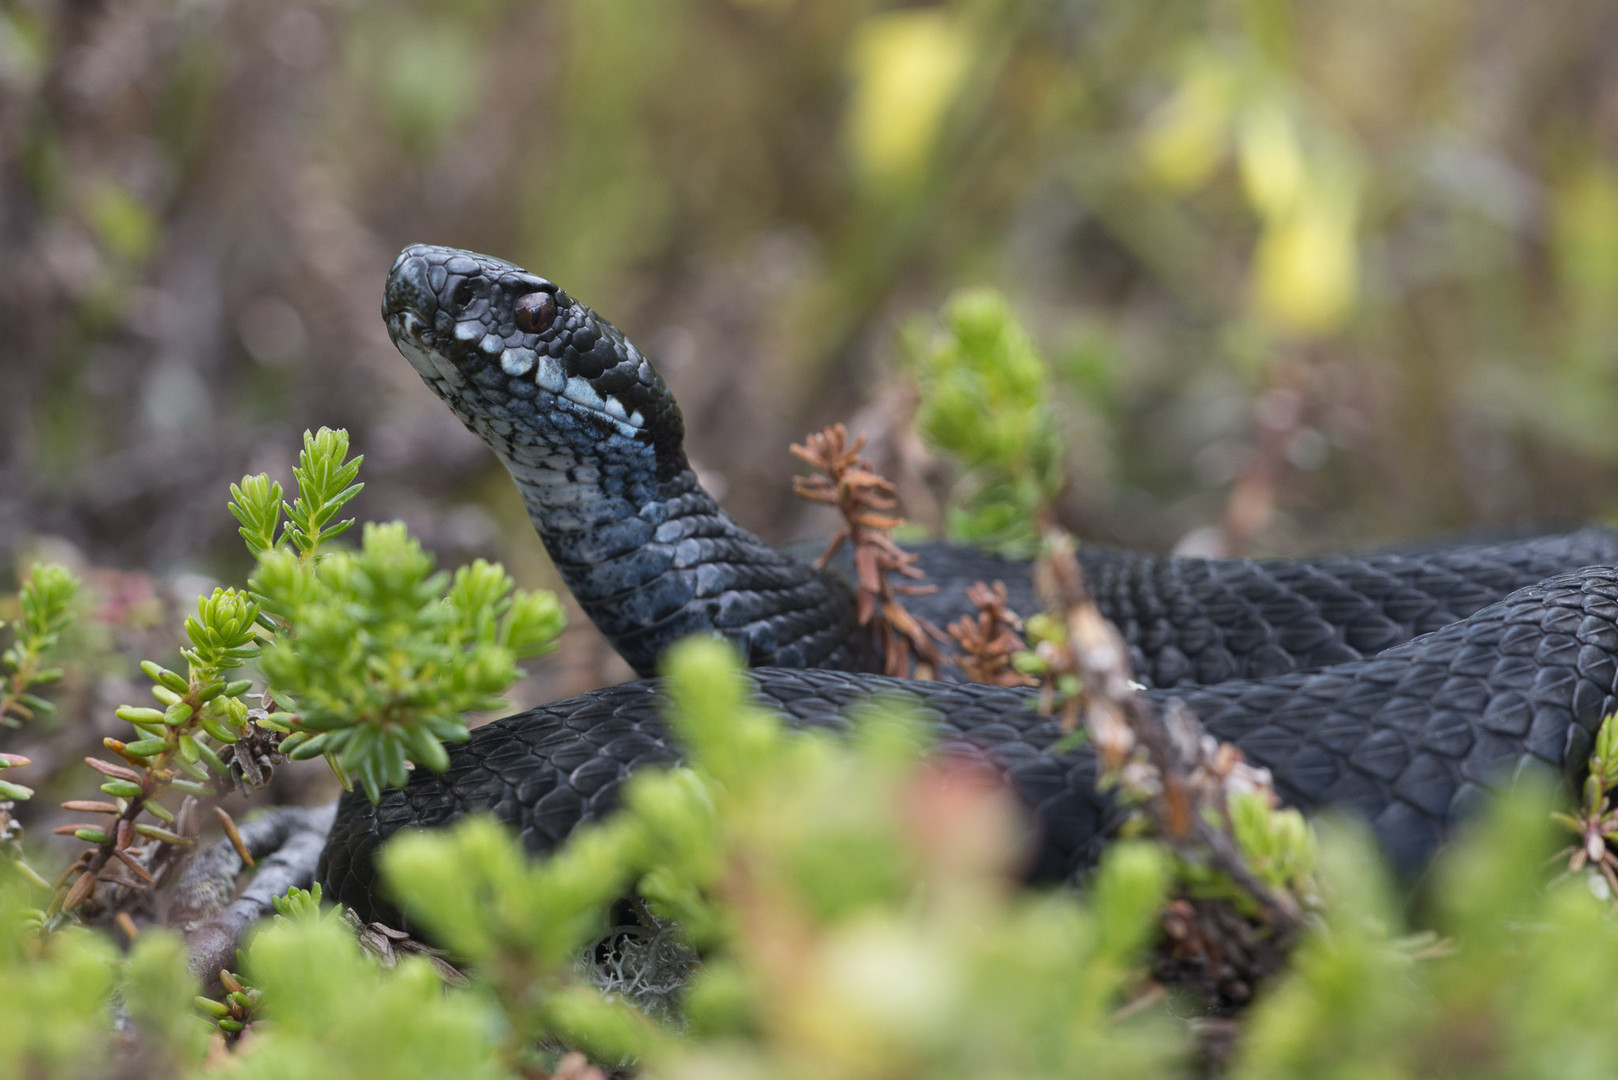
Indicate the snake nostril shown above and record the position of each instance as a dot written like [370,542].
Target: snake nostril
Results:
[407,287]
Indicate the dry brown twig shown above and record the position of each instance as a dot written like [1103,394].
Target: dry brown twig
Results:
[135,860]
[134,857]
[989,641]
[1181,777]
[389,945]
[847,482]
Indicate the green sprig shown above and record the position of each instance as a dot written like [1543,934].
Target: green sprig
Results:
[46,600]
[325,479]
[383,654]
[986,399]
[256,503]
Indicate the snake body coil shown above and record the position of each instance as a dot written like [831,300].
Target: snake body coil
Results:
[1308,665]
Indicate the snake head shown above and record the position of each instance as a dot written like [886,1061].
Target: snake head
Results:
[522,363]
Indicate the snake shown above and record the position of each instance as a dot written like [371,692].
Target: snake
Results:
[1401,687]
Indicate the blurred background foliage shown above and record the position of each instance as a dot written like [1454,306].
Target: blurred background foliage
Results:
[1308,276]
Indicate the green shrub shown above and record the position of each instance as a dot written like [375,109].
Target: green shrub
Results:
[986,400]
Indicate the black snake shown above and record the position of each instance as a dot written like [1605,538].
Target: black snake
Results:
[1400,686]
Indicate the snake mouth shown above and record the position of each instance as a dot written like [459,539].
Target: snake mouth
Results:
[408,324]
[414,338]
[416,341]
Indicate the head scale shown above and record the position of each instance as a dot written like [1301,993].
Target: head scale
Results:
[522,363]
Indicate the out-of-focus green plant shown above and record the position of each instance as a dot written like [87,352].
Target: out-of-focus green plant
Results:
[157,990]
[1524,987]
[986,399]
[238,1006]
[522,925]
[45,598]
[857,910]
[855,905]
[45,601]
[1278,843]
[59,1023]
[334,1012]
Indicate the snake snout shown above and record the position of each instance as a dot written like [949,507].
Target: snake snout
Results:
[409,290]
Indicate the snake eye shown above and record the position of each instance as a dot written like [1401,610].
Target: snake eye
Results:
[534,312]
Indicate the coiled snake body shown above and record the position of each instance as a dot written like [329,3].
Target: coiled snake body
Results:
[1400,686]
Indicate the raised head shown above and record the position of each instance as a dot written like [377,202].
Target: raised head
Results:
[533,371]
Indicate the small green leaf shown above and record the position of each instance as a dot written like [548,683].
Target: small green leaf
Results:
[211,760]
[147,747]
[217,728]
[15,792]
[212,1007]
[303,751]
[256,504]
[156,833]
[162,675]
[425,749]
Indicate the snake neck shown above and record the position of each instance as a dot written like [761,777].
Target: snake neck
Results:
[593,438]
[651,558]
